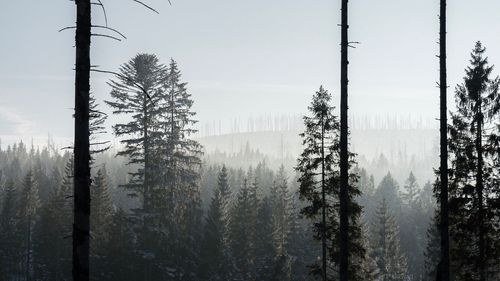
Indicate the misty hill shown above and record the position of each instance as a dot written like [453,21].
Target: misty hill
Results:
[379,150]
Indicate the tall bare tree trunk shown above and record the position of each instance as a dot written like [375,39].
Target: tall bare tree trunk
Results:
[81,190]
[480,188]
[344,154]
[323,200]
[445,239]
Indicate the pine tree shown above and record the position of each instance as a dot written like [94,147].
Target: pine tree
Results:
[264,252]
[281,209]
[473,184]
[320,186]
[9,240]
[53,246]
[100,222]
[176,198]
[410,190]
[386,244]
[138,93]
[122,262]
[29,203]
[432,251]
[214,261]
[242,229]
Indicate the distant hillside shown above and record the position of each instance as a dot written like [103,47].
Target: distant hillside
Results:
[402,150]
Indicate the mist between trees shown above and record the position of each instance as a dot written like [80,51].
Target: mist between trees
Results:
[162,209]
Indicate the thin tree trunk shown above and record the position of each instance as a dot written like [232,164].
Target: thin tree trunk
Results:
[344,154]
[323,200]
[445,240]
[146,199]
[28,250]
[81,190]
[480,187]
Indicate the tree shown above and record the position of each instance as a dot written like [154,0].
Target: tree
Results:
[432,251]
[443,170]
[137,92]
[9,240]
[81,196]
[411,190]
[386,244]
[27,214]
[100,223]
[473,182]
[53,247]
[345,212]
[320,186]
[242,229]
[215,260]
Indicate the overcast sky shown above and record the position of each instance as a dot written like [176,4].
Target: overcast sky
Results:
[241,58]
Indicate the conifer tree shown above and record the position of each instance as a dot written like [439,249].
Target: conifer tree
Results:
[242,228]
[29,203]
[53,247]
[320,186]
[410,190]
[473,182]
[100,222]
[9,240]
[137,92]
[386,244]
[264,252]
[215,260]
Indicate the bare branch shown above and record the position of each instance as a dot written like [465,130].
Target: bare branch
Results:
[66,28]
[103,10]
[112,29]
[148,7]
[125,78]
[106,36]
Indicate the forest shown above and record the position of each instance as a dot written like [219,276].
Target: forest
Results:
[141,194]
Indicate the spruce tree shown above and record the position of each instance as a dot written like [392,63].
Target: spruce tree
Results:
[320,187]
[215,259]
[242,229]
[10,242]
[100,222]
[29,203]
[137,92]
[410,190]
[473,182]
[386,244]
[53,247]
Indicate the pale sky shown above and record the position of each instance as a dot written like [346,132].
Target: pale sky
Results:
[241,58]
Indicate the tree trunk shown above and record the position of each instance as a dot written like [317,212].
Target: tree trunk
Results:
[480,187]
[323,200]
[445,240]
[344,154]
[81,190]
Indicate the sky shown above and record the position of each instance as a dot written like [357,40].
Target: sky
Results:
[241,58]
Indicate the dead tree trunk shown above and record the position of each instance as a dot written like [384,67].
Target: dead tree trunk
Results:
[323,201]
[81,191]
[344,154]
[445,240]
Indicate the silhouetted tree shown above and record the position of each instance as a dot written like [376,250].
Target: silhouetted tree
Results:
[344,242]
[473,188]
[81,196]
[443,170]
[320,187]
